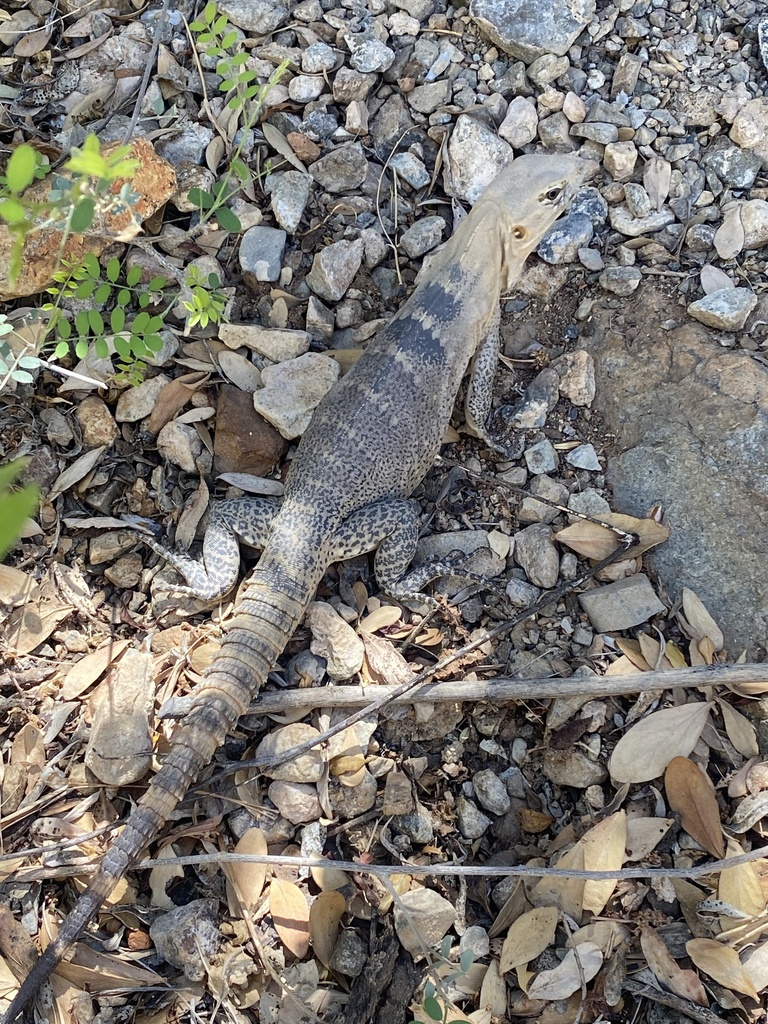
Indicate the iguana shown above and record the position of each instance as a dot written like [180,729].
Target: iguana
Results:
[370,442]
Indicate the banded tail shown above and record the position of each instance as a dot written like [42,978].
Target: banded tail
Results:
[273,606]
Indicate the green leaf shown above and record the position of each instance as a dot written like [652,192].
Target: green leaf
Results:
[15,506]
[123,297]
[433,1009]
[230,39]
[466,960]
[153,342]
[12,211]
[82,215]
[144,300]
[85,290]
[220,24]
[117,319]
[133,277]
[102,294]
[81,348]
[21,167]
[213,281]
[138,346]
[445,947]
[61,350]
[122,348]
[196,26]
[200,198]
[113,270]
[21,376]
[81,323]
[155,323]
[228,220]
[95,322]
[29,362]
[101,347]
[209,13]
[241,171]
[157,284]
[92,266]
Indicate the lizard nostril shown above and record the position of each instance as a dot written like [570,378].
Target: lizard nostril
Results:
[518,233]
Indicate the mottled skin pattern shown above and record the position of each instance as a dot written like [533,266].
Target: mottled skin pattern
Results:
[370,442]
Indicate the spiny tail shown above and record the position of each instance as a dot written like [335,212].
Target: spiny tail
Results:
[267,617]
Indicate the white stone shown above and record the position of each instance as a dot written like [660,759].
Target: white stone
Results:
[292,390]
[521,123]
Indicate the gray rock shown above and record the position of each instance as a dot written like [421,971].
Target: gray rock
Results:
[350,85]
[290,194]
[292,391]
[491,792]
[119,748]
[422,236]
[305,88]
[620,280]
[335,640]
[275,344]
[410,169]
[427,98]
[334,269]
[261,252]
[726,309]
[595,132]
[318,57]
[691,422]
[754,220]
[531,28]
[750,127]
[187,937]
[257,17]
[520,124]
[733,166]
[320,322]
[591,260]
[622,221]
[589,202]
[419,826]
[584,457]
[546,68]
[621,605]
[537,555]
[564,239]
[350,954]
[375,247]
[541,458]
[476,939]
[188,147]
[532,511]
[539,400]
[296,801]
[555,133]
[589,502]
[475,156]
[521,594]
[355,800]
[341,170]
[441,545]
[626,74]
[422,917]
[576,371]
[369,54]
[572,767]
[470,819]
[637,199]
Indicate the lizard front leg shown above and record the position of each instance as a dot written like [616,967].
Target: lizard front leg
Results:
[477,410]
[240,519]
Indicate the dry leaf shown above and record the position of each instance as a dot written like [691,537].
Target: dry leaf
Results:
[325,916]
[562,981]
[729,237]
[75,472]
[740,885]
[290,916]
[645,751]
[657,176]
[99,972]
[722,964]
[328,878]
[690,792]
[594,542]
[624,667]
[248,879]
[739,729]
[644,835]
[493,992]
[562,892]
[33,42]
[700,621]
[603,851]
[16,586]
[172,399]
[85,672]
[713,279]
[161,875]
[685,984]
[631,650]
[385,615]
[280,144]
[606,935]
[756,967]
[529,936]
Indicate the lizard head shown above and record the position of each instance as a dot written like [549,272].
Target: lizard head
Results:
[528,197]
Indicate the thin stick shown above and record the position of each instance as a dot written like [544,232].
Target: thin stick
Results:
[500,690]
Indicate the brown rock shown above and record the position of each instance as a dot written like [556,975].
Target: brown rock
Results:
[154,181]
[96,423]
[304,148]
[245,442]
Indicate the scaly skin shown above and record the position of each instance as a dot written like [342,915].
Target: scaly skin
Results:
[369,444]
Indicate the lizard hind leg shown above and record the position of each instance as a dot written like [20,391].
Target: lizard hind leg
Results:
[212,577]
[391,527]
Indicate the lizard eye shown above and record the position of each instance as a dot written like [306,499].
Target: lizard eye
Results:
[518,233]
[553,194]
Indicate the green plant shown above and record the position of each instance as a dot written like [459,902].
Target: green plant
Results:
[14,366]
[132,338]
[245,96]
[207,303]
[78,195]
[15,505]
[434,1009]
